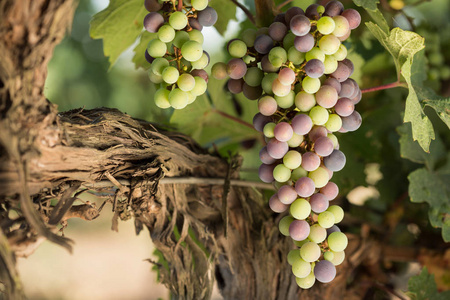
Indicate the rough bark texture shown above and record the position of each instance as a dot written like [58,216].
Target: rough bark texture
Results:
[46,155]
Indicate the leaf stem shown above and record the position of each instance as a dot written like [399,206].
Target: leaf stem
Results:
[224,114]
[384,87]
[281,5]
[246,11]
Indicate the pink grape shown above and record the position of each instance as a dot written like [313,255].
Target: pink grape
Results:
[276,205]
[283,132]
[319,203]
[277,149]
[323,146]
[287,194]
[310,161]
[266,173]
[305,187]
[330,191]
[301,124]
[299,230]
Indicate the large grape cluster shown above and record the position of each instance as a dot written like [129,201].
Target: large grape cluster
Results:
[176,53]
[298,71]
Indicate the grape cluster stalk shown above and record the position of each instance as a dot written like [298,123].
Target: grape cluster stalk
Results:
[298,72]
[176,53]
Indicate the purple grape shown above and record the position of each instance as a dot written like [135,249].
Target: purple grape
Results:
[311,11]
[353,17]
[301,124]
[319,203]
[148,57]
[263,44]
[335,161]
[357,97]
[200,73]
[283,132]
[317,132]
[286,76]
[207,17]
[259,121]
[314,68]
[195,24]
[344,107]
[333,8]
[304,43]
[310,161]
[300,25]
[349,64]
[266,66]
[352,122]
[280,89]
[280,18]
[235,86]
[348,88]
[276,205]
[330,173]
[332,229]
[152,5]
[153,21]
[305,187]
[330,191]
[324,146]
[334,83]
[277,31]
[292,12]
[299,230]
[324,271]
[236,68]
[342,72]
[265,173]
[252,92]
[277,149]
[267,105]
[265,157]
[287,194]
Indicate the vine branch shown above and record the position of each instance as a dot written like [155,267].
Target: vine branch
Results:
[246,11]
[281,5]
[228,116]
[385,87]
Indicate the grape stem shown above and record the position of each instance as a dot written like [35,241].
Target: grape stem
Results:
[281,5]
[384,87]
[180,5]
[246,11]
[224,114]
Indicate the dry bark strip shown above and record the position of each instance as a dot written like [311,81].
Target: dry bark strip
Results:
[45,155]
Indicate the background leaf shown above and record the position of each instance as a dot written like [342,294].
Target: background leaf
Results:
[371,7]
[226,11]
[423,287]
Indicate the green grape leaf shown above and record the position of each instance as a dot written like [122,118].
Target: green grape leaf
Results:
[118,25]
[226,11]
[441,106]
[423,287]
[371,7]
[431,186]
[139,51]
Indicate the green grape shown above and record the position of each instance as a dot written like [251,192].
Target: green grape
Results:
[329,44]
[196,35]
[334,139]
[317,234]
[284,224]
[288,41]
[268,129]
[249,36]
[304,101]
[281,173]
[341,54]
[329,255]
[285,101]
[338,213]
[326,219]
[156,48]
[158,65]
[315,53]
[200,86]
[300,243]
[162,98]
[267,82]
[166,33]
[191,98]
[292,159]
[311,85]
[320,177]
[307,282]
[334,123]
[330,64]
[181,37]
[338,257]
[254,76]
[298,173]
[301,268]
[319,115]
[192,51]
[186,82]
[295,56]
[325,25]
[277,56]
[237,48]
[199,4]
[320,9]
[310,252]
[155,78]
[295,141]
[170,75]
[293,256]
[178,99]
[300,209]
[219,70]
[201,63]
[337,241]
[342,27]
[178,20]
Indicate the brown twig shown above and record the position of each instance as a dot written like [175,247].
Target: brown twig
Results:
[228,116]
[246,11]
[281,5]
[384,87]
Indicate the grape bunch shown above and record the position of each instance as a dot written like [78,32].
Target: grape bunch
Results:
[298,71]
[176,53]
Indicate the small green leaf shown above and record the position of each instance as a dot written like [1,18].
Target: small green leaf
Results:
[441,106]
[423,287]
[226,11]
[371,7]
[118,25]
